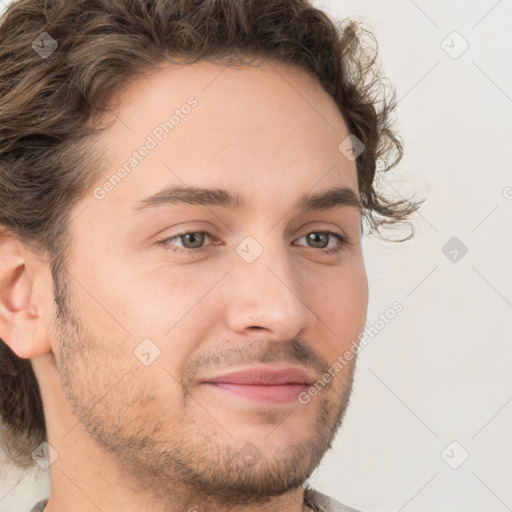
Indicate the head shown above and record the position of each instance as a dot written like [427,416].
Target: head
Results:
[254,100]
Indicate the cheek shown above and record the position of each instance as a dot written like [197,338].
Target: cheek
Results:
[150,300]
[163,306]
[341,304]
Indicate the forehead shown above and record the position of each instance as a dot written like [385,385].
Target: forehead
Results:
[232,90]
[207,124]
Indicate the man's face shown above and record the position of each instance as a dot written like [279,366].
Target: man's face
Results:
[148,322]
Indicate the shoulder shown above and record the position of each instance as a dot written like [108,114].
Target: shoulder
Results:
[325,503]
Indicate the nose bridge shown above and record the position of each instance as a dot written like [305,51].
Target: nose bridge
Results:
[266,291]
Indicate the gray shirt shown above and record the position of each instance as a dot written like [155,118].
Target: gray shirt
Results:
[323,503]
[320,502]
[38,507]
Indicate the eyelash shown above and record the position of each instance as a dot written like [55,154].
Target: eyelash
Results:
[341,239]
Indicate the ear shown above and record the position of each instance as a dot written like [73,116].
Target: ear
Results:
[22,324]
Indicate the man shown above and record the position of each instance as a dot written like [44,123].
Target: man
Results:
[182,193]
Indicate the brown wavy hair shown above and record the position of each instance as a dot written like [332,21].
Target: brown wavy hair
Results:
[52,108]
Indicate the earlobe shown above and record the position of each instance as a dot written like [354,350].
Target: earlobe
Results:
[21,326]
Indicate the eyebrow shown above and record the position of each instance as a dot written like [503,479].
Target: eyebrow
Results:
[327,199]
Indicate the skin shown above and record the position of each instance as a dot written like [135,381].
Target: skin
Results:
[152,438]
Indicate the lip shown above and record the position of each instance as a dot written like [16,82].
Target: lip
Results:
[264,376]
[263,394]
[268,385]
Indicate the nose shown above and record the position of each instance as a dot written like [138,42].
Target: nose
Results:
[268,294]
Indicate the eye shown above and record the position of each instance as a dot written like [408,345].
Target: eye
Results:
[321,239]
[193,241]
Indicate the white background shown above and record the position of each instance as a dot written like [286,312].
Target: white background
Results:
[441,370]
